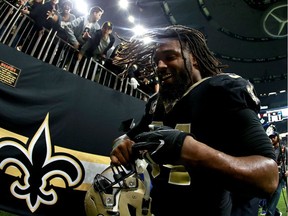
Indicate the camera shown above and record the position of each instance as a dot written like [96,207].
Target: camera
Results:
[87,28]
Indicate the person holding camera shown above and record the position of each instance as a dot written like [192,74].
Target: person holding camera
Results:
[84,27]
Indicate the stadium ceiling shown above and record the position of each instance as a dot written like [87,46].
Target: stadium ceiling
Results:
[249,35]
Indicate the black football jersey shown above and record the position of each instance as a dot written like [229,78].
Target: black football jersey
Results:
[220,111]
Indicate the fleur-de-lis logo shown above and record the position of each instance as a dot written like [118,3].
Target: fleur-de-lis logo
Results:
[39,164]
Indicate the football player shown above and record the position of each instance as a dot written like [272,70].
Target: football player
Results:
[201,134]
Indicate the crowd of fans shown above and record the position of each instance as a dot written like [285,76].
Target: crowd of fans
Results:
[84,33]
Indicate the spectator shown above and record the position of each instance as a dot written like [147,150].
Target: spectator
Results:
[98,46]
[117,70]
[65,17]
[281,159]
[46,15]
[132,72]
[31,7]
[132,76]
[219,146]
[84,27]
[65,13]
[26,7]
[21,3]
[148,83]
[11,12]
[109,62]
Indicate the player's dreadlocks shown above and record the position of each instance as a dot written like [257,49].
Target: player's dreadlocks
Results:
[139,51]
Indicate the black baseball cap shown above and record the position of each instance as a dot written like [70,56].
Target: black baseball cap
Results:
[107,25]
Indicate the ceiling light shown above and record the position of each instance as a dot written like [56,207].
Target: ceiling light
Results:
[123,4]
[131,19]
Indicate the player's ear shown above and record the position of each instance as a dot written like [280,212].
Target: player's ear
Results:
[194,61]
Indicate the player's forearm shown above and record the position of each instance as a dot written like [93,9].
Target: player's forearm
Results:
[256,174]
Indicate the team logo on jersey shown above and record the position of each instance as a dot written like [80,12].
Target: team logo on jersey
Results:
[162,142]
[38,167]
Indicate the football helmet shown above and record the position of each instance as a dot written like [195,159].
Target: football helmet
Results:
[120,192]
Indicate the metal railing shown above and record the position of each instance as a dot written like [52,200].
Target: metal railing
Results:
[20,32]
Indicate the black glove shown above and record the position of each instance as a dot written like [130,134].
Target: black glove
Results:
[162,146]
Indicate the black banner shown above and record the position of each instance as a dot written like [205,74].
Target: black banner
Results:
[56,132]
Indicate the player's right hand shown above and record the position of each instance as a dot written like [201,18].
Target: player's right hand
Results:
[121,153]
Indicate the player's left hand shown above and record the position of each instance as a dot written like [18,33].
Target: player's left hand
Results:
[162,146]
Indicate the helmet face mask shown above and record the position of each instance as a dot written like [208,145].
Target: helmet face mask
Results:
[106,192]
[117,191]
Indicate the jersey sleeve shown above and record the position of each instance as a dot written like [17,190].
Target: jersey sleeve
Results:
[235,92]
[236,99]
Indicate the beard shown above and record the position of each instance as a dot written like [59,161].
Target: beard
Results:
[170,92]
